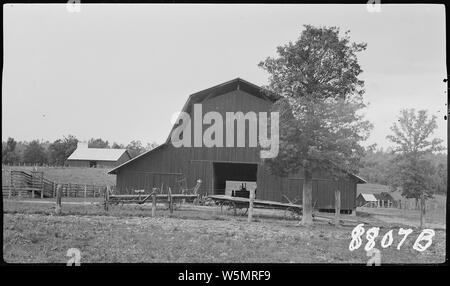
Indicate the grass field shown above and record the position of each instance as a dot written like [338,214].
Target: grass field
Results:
[434,219]
[73,175]
[31,233]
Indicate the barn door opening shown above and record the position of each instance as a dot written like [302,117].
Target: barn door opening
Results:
[231,176]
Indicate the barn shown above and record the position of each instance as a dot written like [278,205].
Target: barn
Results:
[97,157]
[366,200]
[221,167]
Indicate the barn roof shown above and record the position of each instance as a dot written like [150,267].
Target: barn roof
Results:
[359,179]
[97,154]
[234,84]
[229,86]
[369,197]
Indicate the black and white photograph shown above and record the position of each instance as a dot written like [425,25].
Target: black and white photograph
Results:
[182,134]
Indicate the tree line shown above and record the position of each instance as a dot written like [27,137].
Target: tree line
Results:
[380,166]
[56,153]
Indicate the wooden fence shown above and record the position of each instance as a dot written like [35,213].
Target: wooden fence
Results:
[34,185]
[48,166]
[411,204]
[82,191]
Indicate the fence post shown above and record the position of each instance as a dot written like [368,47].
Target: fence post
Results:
[250,206]
[11,183]
[106,198]
[85,191]
[337,206]
[170,201]
[58,199]
[154,202]
[42,186]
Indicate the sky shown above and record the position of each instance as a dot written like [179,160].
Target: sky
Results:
[120,72]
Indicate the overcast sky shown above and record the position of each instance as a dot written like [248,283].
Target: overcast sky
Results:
[120,72]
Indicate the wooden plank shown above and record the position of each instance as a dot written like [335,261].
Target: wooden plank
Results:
[106,198]
[337,205]
[250,207]
[154,202]
[158,196]
[58,200]
[169,197]
[256,203]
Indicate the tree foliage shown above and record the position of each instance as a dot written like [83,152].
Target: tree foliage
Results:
[117,146]
[98,143]
[56,153]
[35,153]
[321,96]
[376,166]
[61,149]
[413,168]
[135,148]
[9,152]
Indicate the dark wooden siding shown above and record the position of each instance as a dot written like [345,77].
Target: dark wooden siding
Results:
[166,163]
[85,163]
[77,163]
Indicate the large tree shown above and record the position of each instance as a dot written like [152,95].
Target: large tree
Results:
[9,152]
[35,153]
[61,149]
[321,94]
[412,146]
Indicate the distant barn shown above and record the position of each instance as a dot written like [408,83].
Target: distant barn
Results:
[366,200]
[221,167]
[97,157]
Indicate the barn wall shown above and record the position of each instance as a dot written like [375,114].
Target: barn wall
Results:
[271,187]
[230,102]
[85,163]
[77,163]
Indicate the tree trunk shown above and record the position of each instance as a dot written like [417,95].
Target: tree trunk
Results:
[337,207]
[307,198]
[422,211]
[58,199]
[250,206]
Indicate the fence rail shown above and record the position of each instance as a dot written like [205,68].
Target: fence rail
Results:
[4,166]
[32,185]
